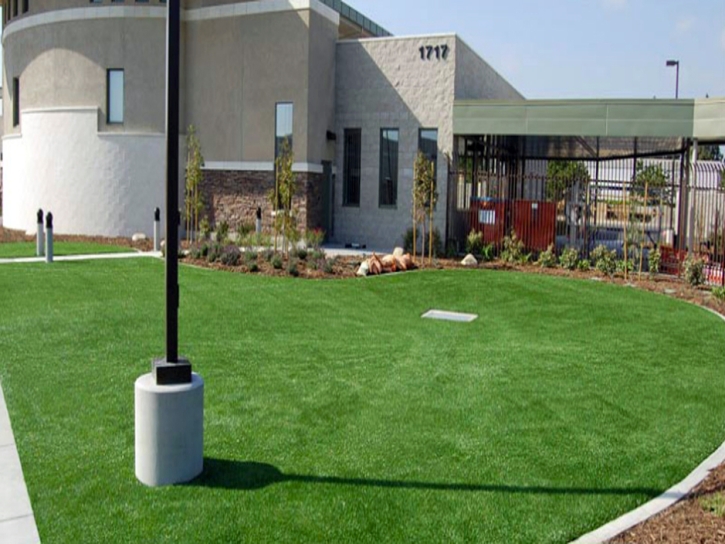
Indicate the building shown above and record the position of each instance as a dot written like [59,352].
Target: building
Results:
[83,96]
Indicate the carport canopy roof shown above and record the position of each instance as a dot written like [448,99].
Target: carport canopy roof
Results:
[590,128]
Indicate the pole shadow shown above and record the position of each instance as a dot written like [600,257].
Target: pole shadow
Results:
[251,476]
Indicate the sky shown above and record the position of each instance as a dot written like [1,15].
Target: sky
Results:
[579,48]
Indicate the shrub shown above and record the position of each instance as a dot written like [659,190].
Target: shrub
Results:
[693,271]
[604,260]
[718,293]
[654,260]
[474,243]
[230,256]
[245,228]
[314,238]
[569,258]
[317,255]
[314,265]
[513,250]
[214,253]
[487,253]
[451,249]
[251,256]
[584,265]
[269,255]
[437,243]
[629,266]
[276,262]
[253,267]
[204,229]
[222,232]
[302,254]
[547,259]
[329,266]
[292,269]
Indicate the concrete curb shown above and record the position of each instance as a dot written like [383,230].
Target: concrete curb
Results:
[663,502]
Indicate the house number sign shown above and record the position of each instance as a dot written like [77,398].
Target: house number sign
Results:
[434,52]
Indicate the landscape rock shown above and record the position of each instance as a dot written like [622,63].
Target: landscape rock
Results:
[398,252]
[364,269]
[138,237]
[469,260]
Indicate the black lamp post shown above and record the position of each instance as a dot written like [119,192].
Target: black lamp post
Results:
[172,370]
[676,64]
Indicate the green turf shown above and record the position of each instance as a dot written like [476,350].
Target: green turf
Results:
[335,414]
[15,250]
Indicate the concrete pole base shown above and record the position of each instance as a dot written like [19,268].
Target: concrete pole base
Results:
[169,431]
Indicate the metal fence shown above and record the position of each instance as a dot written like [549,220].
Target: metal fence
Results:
[640,204]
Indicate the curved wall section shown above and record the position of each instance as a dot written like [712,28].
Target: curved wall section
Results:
[95,183]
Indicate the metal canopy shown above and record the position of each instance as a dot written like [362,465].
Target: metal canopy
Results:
[654,119]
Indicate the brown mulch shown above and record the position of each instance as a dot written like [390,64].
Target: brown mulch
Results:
[690,521]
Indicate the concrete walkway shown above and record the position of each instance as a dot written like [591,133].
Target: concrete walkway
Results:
[17,522]
[97,257]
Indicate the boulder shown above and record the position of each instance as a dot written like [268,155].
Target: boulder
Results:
[364,269]
[469,260]
[138,237]
[398,252]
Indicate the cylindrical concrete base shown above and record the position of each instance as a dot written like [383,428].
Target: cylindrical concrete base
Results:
[169,431]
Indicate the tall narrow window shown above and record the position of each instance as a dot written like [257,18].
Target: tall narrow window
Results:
[284,124]
[389,143]
[15,8]
[351,167]
[25,6]
[16,101]
[428,145]
[115,96]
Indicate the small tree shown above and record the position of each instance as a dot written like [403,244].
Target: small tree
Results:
[425,198]
[194,176]
[282,197]
[562,176]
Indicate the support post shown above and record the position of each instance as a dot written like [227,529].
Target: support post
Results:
[49,238]
[39,238]
[157,229]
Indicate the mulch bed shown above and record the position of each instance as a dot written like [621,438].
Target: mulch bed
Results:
[690,521]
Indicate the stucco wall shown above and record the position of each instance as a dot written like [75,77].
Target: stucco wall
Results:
[94,183]
[384,83]
[65,65]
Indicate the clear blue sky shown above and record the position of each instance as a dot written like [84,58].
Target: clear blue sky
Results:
[579,48]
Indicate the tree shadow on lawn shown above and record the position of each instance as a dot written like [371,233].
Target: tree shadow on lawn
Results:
[251,476]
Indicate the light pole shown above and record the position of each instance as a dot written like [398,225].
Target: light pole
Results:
[676,64]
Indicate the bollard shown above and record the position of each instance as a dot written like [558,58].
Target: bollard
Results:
[259,220]
[49,238]
[157,229]
[39,238]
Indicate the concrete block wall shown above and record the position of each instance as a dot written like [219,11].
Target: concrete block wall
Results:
[384,83]
[477,80]
[105,184]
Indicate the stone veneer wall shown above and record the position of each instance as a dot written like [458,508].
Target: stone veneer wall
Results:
[234,196]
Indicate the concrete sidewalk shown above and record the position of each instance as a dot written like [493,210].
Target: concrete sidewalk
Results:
[95,257]
[17,522]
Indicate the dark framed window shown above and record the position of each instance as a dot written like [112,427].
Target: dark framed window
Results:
[389,144]
[25,6]
[115,96]
[284,126]
[352,160]
[15,8]
[16,101]
[428,145]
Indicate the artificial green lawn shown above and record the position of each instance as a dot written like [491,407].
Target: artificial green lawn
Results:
[334,413]
[16,250]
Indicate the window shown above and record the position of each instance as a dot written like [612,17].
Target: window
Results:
[16,101]
[351,167]
[284,118]
[428,145]
[25,6]
[15,8]
[389,139]
[115,96]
